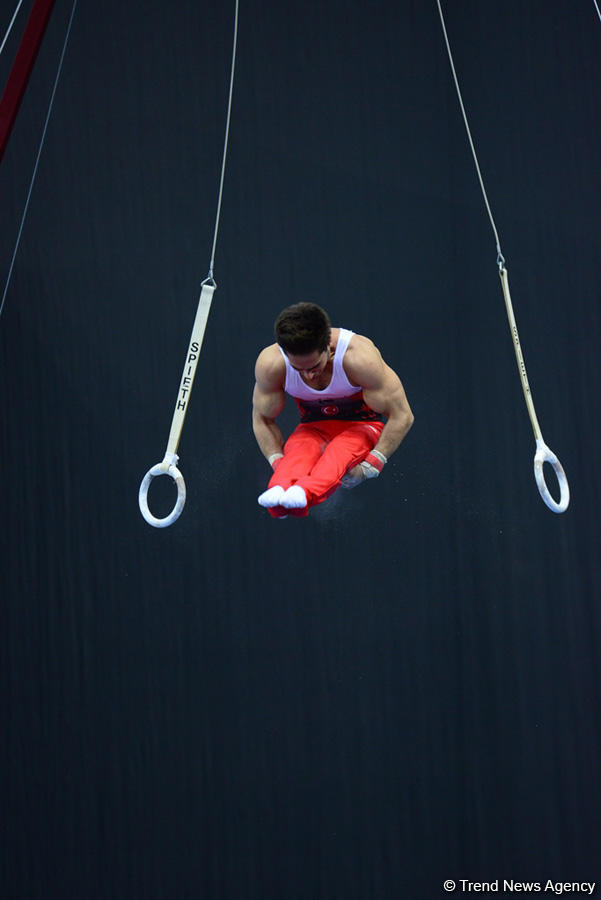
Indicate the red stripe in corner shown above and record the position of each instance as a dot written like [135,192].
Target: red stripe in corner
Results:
[21,68]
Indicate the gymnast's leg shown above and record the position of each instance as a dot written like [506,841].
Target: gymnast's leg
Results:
[346,449]
[301,451]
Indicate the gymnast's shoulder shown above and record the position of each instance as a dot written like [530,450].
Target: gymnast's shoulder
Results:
[362,358]
[270,368]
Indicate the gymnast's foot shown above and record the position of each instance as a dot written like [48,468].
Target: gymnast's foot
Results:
[294,498]
[271,497]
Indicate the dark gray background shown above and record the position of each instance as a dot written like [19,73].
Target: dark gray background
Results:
[404,687]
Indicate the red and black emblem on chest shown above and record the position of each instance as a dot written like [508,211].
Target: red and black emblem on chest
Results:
[350,409]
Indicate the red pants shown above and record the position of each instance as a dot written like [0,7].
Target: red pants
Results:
[318,454]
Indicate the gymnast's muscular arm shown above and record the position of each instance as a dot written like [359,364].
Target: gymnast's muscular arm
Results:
[269,400]
[382,391]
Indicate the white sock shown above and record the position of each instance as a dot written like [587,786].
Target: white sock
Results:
[294,498]
[271,497]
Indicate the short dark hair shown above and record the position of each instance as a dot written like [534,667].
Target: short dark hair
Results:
[303,328]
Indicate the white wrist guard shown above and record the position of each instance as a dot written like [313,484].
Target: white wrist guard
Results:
[373,464]
[371,467]
[271,459]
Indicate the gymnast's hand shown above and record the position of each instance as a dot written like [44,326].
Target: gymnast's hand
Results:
[371,467]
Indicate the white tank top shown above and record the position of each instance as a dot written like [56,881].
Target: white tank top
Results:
[338,387]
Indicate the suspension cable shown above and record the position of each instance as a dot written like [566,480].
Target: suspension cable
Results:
[9,29]
[225,142]
[208,287]
[37,161]
[469,135]
[543,453]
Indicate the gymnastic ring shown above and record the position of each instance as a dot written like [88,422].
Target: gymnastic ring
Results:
[545,455]
[164,468]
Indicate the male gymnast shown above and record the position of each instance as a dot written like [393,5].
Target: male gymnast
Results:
[353,410]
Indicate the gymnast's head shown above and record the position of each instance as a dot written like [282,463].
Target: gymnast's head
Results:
[302,329]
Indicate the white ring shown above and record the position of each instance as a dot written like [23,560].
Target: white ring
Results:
[174,472]
[545,455]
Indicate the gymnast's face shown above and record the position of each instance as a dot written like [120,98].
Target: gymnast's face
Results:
[310,365]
